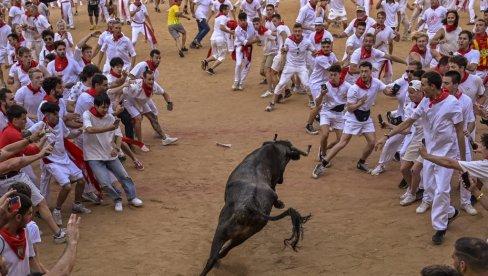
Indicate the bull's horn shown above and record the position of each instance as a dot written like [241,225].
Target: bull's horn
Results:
[276,136]
[302,152]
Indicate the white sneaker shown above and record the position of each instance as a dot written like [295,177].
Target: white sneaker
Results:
[409,199]
[58,218]
[234,86]
[118,206]
[469,209]
[80,209]
[378,170]
[424,206]
[136,202]
[405,194]
[92,197]
[169,140]
[239,87]
[144,148]
[267,94]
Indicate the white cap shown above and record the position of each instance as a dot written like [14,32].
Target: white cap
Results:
[319,21]
[415,84]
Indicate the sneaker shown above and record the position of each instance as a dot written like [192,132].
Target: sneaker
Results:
[169,140]
[280,98]
[204,64]
[263,81]
[181,53]
[378,170]
[60,237]
[144,148]
[239,87]
[469,209]
[58,218]
[311,130]
[184,49]
[423,207]
[270,107]
[403,184]
[92,197]
[210,71]
[78,208]
[235,85]
[451,219]
[287,93]
[136,202]
[267,94]
[311,104]
[405,194]
[362,167]
[118,206]
[319,168]
[193,45]
[419,194]
[409,199]
[438,237]
[138,165]
[396,157]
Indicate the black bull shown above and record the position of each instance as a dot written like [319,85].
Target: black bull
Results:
[249,197]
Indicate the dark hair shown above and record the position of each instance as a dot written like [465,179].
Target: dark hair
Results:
[326,41]
[335,68]
[3,93]
[474,252]
[242,16]
[418,74]
[89,71]
[366,64]
[370,35]
[154,52]
[21,188]
[50,84]
[223,7]
[116,61]
[85,47]
[482,20]
[147,72]
[48,107]
[381,13]
[98,79]
[416,63]
[256,19]
[101,99]
[362,23]
[456,21]
[461,61]
[438,270]
[277,16]
[454,75]
[433,78]
[443,61]
[58,43]
[270,5]
[297,25]
[468,33]
[21,51]
[14,36]
[25,203]
[49,57]
[47,33]
[15,112]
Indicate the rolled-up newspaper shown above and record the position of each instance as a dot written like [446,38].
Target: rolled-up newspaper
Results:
[223,145]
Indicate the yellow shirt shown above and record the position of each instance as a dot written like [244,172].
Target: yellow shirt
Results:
[172,18]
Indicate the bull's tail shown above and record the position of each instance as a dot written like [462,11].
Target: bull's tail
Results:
[297,221]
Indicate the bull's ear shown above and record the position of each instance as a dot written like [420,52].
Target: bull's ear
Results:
[294,155]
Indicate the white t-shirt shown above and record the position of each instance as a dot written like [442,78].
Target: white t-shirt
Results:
[41,23]
[306,17]
[279,30]
[472,87]
[67,41]
[391,10]
[139,69]
[355,93]
[84,103]
[320,72]
[98,146]
[202,8]
[375,58]
[16,69]
[334,97]
[382,38]
[216,5]
[58,133]
[218,34]
[16,14]
[43,53]
[417,129]
[354,42]
[140,16]
[103,36]
[34,234]
[467,109]
[122,48]
[69,74]
[318,46]
[76,91]
[4,32]
[296,55]
[401,96]
[15,265]
[62,110]
[251,9]
[473,56]
[350,30]
[478,169]
[136,95]
[30,101]
[243,36]
[433,18]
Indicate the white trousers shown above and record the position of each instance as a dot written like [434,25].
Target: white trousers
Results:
[390,148]
[471,12]
[67,14]
[437,186]
[465,193]
[287,74]
[242,66]
[137,30]
[124,14]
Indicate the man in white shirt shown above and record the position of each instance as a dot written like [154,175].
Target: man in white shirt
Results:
[16,12]
[35,24]
[442,122]
[200,15]
[19,72]
[47,46]
[252,8]
[105,34]
[392,10]
[269,52]
[282,33]
[293,55]
[465,50]
[81,86]
[320,34]
[124,13]
[141,23]
[216,8]
[31,95]
[246,36]
[117,45]
[433,17]
[470,85]
[306,17]
[360,99]
[101,145]
[5,30]
[360,17]
[355,41]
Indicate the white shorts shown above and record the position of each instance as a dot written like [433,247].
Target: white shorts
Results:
[219,49]
[337,15]
[64,174]
[333,119]
[412,153]
[134,110]
[354,127]
[276,66]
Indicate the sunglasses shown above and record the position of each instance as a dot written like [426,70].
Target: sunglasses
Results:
[409,71]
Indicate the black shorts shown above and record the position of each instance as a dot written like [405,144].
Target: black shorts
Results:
[93,10]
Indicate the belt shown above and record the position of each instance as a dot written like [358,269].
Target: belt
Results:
[138,22]
[8,175]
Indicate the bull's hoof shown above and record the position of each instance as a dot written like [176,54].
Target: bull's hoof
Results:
[279,204]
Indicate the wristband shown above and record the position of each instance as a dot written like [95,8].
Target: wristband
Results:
[480,196]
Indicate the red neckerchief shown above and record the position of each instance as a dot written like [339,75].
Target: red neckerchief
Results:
[92,92]
[318,36]
[360,20]
[137,4]
[61,33]
[262,30]
[50,99]
[85,60]
[147,90]
[95,113]
[444,94]
[365,54]
[416,49]
[60,63]
[108,30]
[362,85]
[151,65]
[44,119]
[117,38]
[313,5]
[50,48]
[231,24]
[33,64]
[481,37]
[321,53]
[34,91]
[18,5]
[115,74]
[21,38]
[268,19]
[35,15]
[465,77]
[2,24]
[458,94]
[281,23]
[219,14]
[376,25]
[434,7]
[294,39]
[464,52]
[341,81]
[18,243]
[450,28]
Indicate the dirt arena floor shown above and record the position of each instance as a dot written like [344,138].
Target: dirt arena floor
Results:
[358,226]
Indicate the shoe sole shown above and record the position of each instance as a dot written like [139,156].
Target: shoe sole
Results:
[312,132]
[422,212]
[203,65]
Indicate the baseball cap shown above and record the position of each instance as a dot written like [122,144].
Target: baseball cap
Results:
[415,84]
[319,21]
[360,8]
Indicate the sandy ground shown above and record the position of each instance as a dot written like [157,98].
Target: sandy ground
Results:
[358,227]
